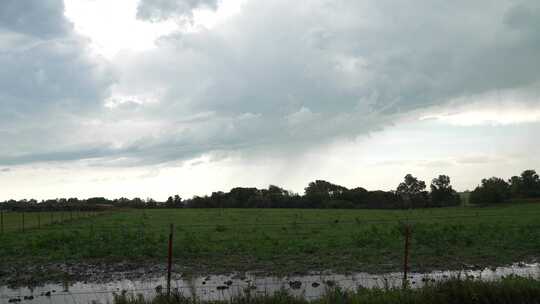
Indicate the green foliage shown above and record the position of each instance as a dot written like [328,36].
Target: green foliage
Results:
[294,239]
[525,186]
[493,190]
[442,193]
[412,191]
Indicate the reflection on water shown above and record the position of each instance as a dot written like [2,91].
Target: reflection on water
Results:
[223,287]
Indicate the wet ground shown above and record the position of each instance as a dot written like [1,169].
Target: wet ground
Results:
[127,279]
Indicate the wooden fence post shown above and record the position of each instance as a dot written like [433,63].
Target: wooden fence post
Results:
[169,260]
[406,256]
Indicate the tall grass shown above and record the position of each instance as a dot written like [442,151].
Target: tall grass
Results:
[512,289]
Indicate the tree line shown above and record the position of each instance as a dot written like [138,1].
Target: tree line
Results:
[411,193]
[495,190]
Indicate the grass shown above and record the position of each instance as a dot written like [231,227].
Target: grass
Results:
[455,291]
[288,240]
[19,221]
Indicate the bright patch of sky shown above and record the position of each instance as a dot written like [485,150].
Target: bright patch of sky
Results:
[112,26]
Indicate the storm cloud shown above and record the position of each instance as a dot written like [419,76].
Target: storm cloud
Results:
[280,75]
[39,18]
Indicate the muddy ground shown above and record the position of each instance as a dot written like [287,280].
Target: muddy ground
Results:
[35,274]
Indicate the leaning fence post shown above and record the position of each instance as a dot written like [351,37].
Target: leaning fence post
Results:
[406,255]
[169,260]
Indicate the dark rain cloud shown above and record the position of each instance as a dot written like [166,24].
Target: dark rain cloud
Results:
[39,18]
[279,75]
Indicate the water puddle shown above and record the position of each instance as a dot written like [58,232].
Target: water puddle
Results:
[223,287]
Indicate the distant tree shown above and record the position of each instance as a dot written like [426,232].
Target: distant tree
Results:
[96,201]
[383,200]
[177,201]
[412,191]
[220,199]
[201,202]
[276,197]
[530,179]
[240,196]
[411,185]
[174,202]
[525,186]
[442,193]
[151,203]
[277,191]
[321,191]
[358,197]
[493,190]
[516,186]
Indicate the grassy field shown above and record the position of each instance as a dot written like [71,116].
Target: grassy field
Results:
[286,240]
[19,221]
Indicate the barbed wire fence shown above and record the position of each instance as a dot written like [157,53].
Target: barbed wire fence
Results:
[23,220]
[312,288]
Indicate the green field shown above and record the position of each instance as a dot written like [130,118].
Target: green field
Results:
[20,221]
[288,240]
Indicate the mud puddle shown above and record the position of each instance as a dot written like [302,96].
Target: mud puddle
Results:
[223,287]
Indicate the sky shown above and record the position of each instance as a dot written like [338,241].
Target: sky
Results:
[151,98]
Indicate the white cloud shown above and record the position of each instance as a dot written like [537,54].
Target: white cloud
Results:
[490,116]
[501,108]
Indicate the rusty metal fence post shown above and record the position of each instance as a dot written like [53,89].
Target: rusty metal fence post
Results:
[169,260]
[406,256]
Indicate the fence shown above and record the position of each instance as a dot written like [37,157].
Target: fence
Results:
[406,240]
[23,220]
